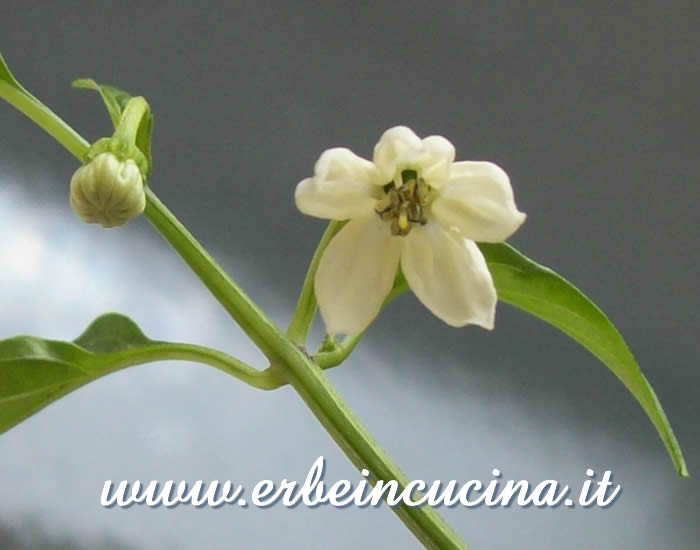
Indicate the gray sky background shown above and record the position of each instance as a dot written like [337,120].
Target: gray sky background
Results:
[590,108]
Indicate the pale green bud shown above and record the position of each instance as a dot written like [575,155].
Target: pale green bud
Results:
[107,191]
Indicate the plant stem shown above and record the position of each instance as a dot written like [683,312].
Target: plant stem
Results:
[306,305]
[304,376]
[130,120]
[287,359]
[328,359]
[248,316]
[45,118]
[323,401]
[264,380]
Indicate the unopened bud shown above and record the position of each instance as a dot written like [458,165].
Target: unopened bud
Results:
[107,191]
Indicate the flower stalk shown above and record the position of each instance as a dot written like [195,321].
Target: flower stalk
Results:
[305,311]
[136,109]
[124,143]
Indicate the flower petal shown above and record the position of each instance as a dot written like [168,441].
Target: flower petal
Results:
[355,274]
[449,275]
[438,156]
[397,147]
[343,186]
[478,200]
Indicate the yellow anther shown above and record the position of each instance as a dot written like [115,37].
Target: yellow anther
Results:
[403,218]
[403,206]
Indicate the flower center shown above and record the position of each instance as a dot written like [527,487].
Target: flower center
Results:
[404,205]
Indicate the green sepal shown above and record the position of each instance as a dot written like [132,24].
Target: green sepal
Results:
[114,99]
[121,149]
[116,102]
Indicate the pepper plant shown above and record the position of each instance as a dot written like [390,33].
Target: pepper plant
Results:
[417,220]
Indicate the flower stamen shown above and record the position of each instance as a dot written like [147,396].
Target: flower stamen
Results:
[405,205]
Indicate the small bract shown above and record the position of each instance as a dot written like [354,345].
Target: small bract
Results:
[413,206]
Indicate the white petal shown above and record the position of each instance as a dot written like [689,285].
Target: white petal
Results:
[438,156]
[397,147]
[478,200]
[355,274]
[449,275]
[343,186]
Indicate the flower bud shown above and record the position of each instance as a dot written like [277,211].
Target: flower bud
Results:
[107,191]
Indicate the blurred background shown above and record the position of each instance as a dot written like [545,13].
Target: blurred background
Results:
[590,107]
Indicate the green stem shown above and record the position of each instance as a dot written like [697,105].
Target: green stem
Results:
[306,305]
[357,444]
[44,118]
[248,316]
[267,379]
[131,119]
[304,376]
[328,359]
[287,359]
[264,380]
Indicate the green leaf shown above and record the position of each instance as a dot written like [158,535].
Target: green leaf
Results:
[543,293]
[35,372]
[112,333]
[115,99]
[7,77]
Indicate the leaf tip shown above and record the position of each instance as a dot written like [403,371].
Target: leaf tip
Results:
[83,83]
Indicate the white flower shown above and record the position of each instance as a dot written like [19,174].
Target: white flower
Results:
[107,191]
[415,206]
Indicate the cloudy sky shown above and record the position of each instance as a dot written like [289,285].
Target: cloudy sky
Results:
[591,112]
